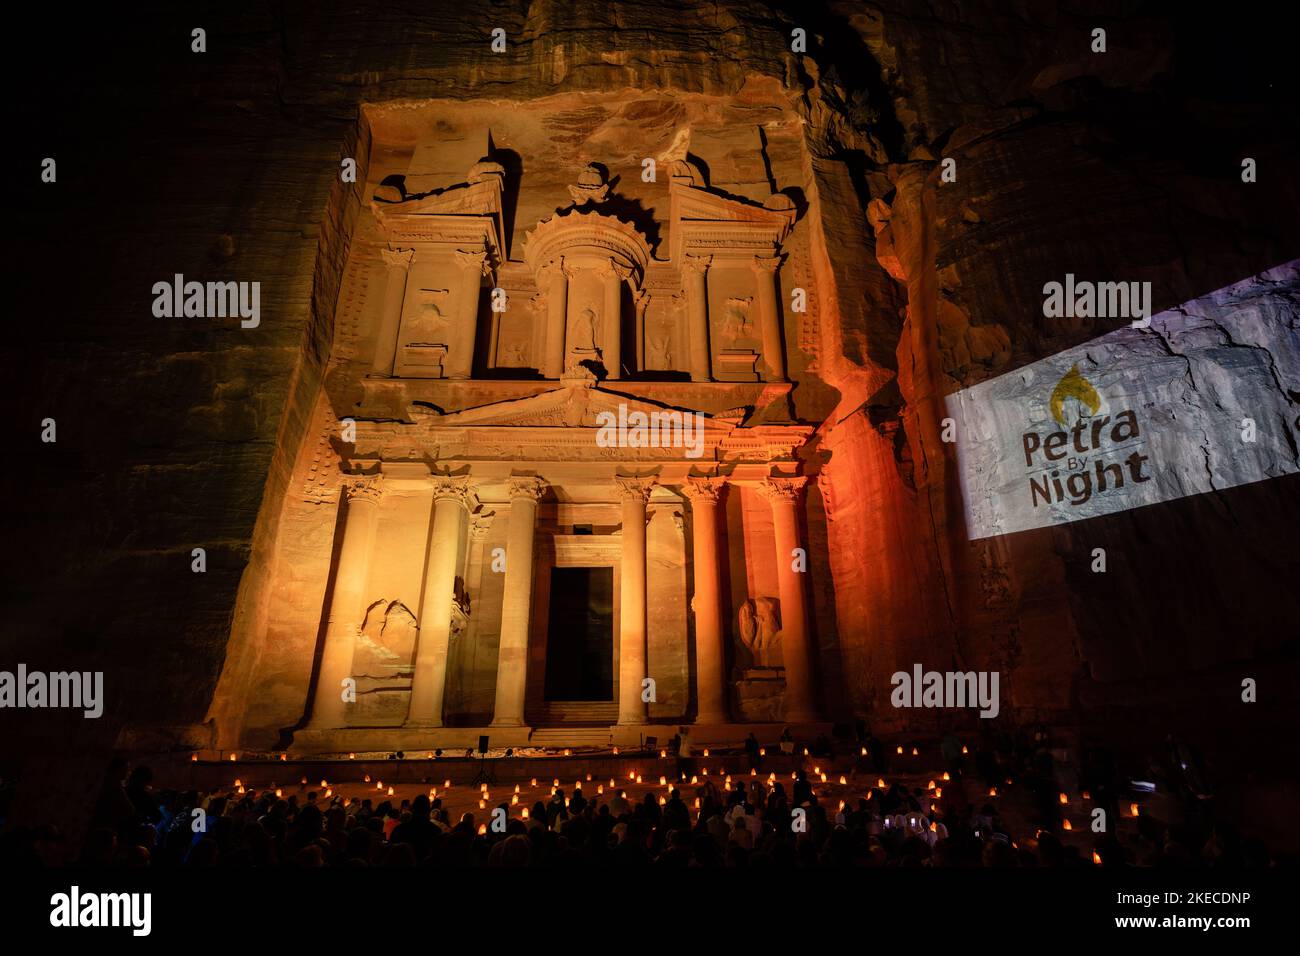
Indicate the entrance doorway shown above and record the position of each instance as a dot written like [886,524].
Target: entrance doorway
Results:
[580,635]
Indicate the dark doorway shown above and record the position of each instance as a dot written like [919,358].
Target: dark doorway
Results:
[580,635]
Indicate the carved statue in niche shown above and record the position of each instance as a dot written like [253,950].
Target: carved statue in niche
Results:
[759,630]
[584,330]
[661,345]
[735,320]
[459,609]
[428,325]
[386,642]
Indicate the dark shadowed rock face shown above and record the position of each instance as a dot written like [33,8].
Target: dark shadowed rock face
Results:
[174,436]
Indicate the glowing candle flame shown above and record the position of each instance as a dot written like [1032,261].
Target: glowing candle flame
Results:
[900,750]
[843,781]
[390,791]
[482,829]
[238,782]
[234,757]
[1067,825]
[277,793]
[601,788]
[945,776]
[881,783]
[913,751]
[993,791]
[1064,799]
[1133,808]
[1096,857]
[194,758]
[525,813]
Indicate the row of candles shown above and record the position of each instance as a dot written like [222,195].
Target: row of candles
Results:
[663,754]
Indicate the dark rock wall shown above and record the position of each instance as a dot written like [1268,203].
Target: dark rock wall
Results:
[225,166]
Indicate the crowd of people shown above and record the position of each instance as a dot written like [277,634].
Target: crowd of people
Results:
[756,822]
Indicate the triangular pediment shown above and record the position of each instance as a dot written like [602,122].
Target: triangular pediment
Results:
[573,406]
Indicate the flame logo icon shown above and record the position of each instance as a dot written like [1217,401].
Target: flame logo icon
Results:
[1074,385]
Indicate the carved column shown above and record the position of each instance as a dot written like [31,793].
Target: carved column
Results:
[710,647]
[769,317]
[359,498]
[473,266]
[452,499]
[640,302]
[800,698]
[391,317]
[517,602]
[634,494]
[557,310]
[697,315]
[612,279]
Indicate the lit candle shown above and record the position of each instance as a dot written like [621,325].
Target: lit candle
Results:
[663,801]
[1087,795]
[390,791]
[324,784]
[663,754]
[753,771]
[446,785]
[482,829]
[554,783]
[843,781]
[328,792]
[534,782]
[663,781]
[514,800]
[516,788]
[482,804]
[631,775]
[352,756]
[762,751]
[964,750]
[303,781]
[938,792]
[615,751]
[993,791]
[1064,799]
[379,785]
[1066,825]
[566,751]
[283,757]
[1133,808]
[880,782]
[638,778]
[600,789]
[695,779]
[706,751]
[864,751]
[900,750]
[945,775]
[1096,857]
[234,757]
[194,758]
[588,778]
[930,785]
[611,783]
[525,813]
[913,751]
[238,782]
[277,792]
[367,778]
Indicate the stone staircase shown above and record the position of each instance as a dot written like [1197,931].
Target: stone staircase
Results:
[556,737]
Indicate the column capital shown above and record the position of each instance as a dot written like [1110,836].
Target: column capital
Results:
[525,487]
[614,269]
[397,258]
[767,264]
[782,489]
[455,489]
[369,488]
[703,489]
[480,524]
[634,489]
[474,260]
[697,264]
[557,268]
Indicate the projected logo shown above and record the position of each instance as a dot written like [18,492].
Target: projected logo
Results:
[1087,455]
[1196,402]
